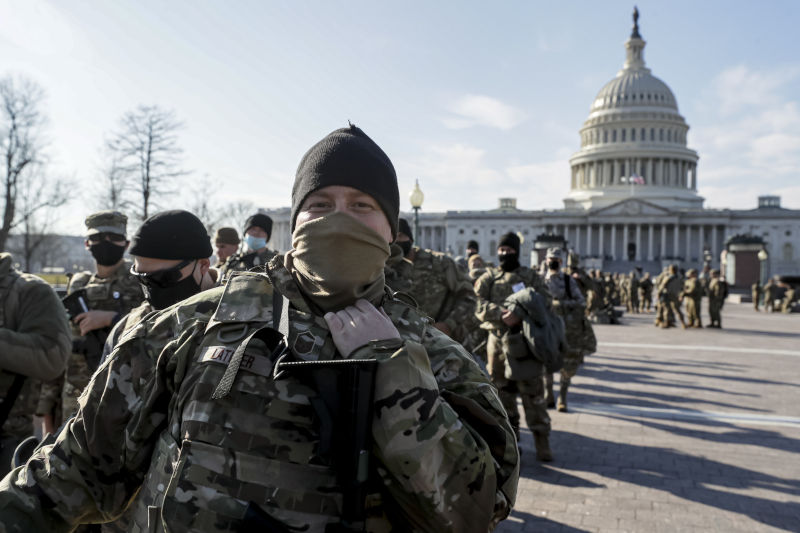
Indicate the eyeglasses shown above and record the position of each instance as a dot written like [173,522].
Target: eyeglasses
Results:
[113,237]
[161,278]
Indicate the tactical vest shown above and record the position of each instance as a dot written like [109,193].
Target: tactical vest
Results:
[259,443]
[109,294]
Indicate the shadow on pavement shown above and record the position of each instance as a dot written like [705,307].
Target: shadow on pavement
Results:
[596,368]
[534,523]
[755,332]
[771,440]
[697,479]
[673,362]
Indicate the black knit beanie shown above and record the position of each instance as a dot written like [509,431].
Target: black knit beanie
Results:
[348,157]
[405,227]
[510,239]
[259,220]
[173,234]
[473,244]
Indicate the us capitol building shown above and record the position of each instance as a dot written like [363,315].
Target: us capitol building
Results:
[633,197]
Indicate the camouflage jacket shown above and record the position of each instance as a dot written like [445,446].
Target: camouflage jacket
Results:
[492,289]
[693,288]
[646,286]
[148,429]
[716,292]
[670,287]
[442,290]
[557,285]
[34,341]
[119,292]
[240,262]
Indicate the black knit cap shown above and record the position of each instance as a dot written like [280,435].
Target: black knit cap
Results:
[510,239]
[473,244]
[405,227]
[259,220]
[348,157]
[175,234]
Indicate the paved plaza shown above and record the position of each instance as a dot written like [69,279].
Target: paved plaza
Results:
[674,430]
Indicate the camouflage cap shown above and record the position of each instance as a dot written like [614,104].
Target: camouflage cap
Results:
[554,252]
[226,236]
[106,222]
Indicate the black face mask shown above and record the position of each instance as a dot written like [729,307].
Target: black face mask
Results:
[405,246]
[161,293]
[508,262]
[106,253]
[553,264]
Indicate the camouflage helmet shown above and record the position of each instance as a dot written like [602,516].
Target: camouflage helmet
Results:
[555,253]
[106,222]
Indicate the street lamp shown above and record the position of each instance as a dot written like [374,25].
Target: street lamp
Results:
[416,197]
[762,258]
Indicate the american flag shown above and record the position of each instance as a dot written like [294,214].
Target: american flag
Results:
[638,180]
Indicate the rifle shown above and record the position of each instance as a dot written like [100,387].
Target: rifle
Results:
[91,344]
[344,408]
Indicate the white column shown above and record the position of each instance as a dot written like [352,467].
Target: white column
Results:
[650,242]
[625,242]
[675,239]
[688,254]
[638,242]
[663,241]
[600,251]
[613,242]
[650,171]
[701,240]
[714,242]
[589,239]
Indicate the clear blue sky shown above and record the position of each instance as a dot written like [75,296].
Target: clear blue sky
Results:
[477,100]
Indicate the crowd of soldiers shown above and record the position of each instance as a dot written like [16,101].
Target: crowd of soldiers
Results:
[355,383]
[768,295]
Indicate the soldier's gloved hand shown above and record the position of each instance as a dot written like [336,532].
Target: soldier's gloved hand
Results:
[510,319]
[358,324]
[95,319]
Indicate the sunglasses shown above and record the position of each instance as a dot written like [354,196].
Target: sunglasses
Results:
[161,278]
[113,237]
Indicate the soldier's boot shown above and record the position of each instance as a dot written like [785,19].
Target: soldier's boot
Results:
[543,452]
[549,396]
[562,395]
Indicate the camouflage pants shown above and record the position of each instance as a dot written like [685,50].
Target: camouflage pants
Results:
[693,313]
[633,303]
[572,361]
[644,301]
[531,391]
[714,309]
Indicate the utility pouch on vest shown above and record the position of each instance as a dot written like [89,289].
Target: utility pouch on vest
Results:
[346,389]
[91,344]
[76,303]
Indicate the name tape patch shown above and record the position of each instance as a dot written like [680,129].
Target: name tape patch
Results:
[257,364]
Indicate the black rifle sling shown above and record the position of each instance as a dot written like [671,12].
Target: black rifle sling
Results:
[567,286]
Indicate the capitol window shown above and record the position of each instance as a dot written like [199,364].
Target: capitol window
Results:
[643,137]
[614,136]
[605,136]
[633,134]
[652,134]
[661,134]
[623,135]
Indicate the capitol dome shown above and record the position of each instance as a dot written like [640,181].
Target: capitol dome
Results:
[634,142]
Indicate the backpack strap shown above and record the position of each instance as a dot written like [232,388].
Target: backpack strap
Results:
[567,286]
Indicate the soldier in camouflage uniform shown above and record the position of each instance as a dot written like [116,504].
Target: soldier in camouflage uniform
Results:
[755,292]
[110,293]
[669,291]
[692,295]
[770,293]
[716,297]
[34,344]
[226,242]
[570,305]
[199,422]
[645,293]
[442,290]
[492,289]
[257,232]
[632,290]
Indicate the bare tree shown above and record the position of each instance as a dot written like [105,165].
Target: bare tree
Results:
[147,154]
[202,204]
[21,142]
[38,202]
[113,191]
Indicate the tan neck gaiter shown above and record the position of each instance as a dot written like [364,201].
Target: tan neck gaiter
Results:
[336,260]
